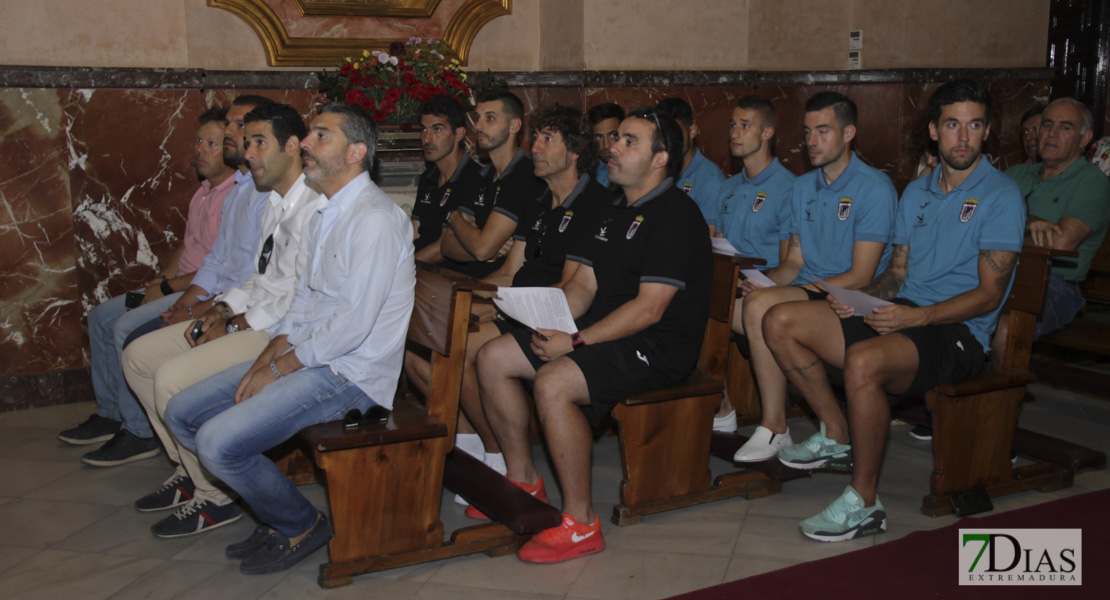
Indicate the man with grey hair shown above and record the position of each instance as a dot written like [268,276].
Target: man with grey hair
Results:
[1069,205]
[338,348]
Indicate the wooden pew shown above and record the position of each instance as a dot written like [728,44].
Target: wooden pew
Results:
[385,481]
[974,421]
[1084,333]
[665,434]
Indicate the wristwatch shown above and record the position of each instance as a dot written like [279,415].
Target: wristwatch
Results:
[231,326]
[576,340]
[165,286]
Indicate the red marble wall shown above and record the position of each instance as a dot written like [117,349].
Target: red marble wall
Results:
[90,178]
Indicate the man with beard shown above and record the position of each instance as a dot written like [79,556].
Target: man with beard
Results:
[235,329]
[338,348]
[450,177]
[120,421]
[641,299]
[842,213]
[483,224]
[605,118]
[957,237]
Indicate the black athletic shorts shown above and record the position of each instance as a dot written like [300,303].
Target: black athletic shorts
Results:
[945,353]
[613,370]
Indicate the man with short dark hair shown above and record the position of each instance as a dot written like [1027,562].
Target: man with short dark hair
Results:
[1030,124]
[235,329]
[481,226]
[1069,205]
[957,237]
[641,298]
[450,177]
[842,214]
[698,177]
[755,203]
[605,118]
[339,347]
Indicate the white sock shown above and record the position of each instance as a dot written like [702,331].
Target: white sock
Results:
[495,461]
[470,443]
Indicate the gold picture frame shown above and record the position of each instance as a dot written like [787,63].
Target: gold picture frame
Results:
[282,50]
[367,8]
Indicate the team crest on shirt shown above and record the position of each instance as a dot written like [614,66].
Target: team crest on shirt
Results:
[760,198]
[633,227]
[686,187]
[446,195]
[496,193]
[566,221]
[968,209]
[844,208]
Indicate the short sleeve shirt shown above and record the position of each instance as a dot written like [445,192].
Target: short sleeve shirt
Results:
[1081,192]
[661,238]
[946,232]
[512,194]
[830,218]
[555,232]
[435,202]
[755,213]
[702,181]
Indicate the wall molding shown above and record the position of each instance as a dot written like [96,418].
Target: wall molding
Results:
[202,79]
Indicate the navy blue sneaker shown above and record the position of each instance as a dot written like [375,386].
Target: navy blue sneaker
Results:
[196,516]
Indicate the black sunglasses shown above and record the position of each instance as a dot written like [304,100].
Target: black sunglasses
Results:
[264,258]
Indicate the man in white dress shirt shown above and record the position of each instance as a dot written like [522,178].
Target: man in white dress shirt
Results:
[235,329]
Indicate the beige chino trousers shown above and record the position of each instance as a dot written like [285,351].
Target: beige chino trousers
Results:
[161,364]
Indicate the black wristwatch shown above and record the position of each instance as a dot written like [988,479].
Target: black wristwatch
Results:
[166,288]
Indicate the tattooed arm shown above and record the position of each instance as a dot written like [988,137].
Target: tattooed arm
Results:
[995,270]
[887,283]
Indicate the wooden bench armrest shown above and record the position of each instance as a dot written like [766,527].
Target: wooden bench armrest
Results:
[406,423]
[989,380]
[496,496]
[695,384]
[748,261]
[460,281]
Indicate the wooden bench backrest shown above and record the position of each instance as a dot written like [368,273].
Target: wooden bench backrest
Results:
[722,298]
[440,319]
[1025,302]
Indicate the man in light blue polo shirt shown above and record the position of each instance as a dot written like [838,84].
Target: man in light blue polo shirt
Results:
[700,178]
[605,118]
[957,238]
[842,218]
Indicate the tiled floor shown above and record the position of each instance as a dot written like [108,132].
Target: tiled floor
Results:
[67,530]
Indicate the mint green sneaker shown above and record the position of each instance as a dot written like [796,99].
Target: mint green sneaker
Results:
[815,452]
[846,518]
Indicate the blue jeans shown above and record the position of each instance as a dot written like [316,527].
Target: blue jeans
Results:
[230,438]
[1063,302]
[109,325]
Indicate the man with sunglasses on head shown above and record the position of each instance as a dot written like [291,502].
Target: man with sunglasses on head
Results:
[236,328]
[641,299]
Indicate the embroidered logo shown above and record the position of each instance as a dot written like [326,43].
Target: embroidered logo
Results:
[601,234]
[566,221]
[724,204]
[446,195]
[633,227]
[480,200]
[427,198]
[844,208]
[968,209]
[643,358]
[686,187]
[760,198]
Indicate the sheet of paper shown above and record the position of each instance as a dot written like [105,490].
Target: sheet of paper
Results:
[863,303]
[758,277]
[536,307]
[722,246]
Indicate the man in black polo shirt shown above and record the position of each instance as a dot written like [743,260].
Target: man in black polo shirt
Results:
[562,221]
[641,298]
[482,224]
[450,175]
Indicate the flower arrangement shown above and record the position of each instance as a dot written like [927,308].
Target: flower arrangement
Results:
[392,85]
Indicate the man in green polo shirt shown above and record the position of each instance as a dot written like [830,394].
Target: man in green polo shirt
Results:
[1069,204]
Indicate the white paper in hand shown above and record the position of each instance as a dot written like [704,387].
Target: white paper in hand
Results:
[536,307]
[864,304]
[758,277]
[723,246]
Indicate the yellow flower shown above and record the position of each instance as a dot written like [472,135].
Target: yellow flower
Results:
[462,76]
[454,61]
[358,65]
[366,54]
[348,59]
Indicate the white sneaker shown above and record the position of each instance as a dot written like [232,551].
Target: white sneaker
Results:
[725,424]
[472,445]
[763,444]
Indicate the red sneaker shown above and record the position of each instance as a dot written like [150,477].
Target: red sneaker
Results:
[569,540]
[536,489]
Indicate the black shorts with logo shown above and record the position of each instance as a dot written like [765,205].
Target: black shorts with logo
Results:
[946,353]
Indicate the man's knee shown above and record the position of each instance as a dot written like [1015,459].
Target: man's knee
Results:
[559,383]
[778,324]
[499,358]
[864,365]
[754,309]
